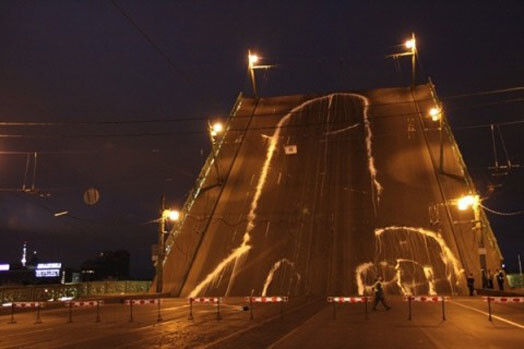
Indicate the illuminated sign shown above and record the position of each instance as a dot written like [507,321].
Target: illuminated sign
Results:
[4,267]
[49,266]
[47,273]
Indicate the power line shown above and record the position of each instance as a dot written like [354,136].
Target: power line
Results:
[502,213]
[193,119]
[485,93]
[173,66]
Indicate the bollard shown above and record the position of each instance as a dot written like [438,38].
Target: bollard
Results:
[281,310]
[12,314]
[443,308]
[409,308]
[366,306]
[70,312]
[38,320]
[489,308]
[251,308]
[130,310]
[190,309]
[218,309]
[159,316]
[334,310]
[97,311]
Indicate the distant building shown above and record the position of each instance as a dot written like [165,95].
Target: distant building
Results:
[108,265]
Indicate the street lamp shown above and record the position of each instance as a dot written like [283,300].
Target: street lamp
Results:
[172,215]
[216,128]
[411,45]
[252,65]
[435,114]
[467,201]
[165,215]
[473,201]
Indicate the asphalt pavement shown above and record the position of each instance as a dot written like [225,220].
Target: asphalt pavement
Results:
[305,323]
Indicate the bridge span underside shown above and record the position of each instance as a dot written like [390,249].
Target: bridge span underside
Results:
[320,194]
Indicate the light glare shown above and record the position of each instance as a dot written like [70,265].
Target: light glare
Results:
[218,127]
[466,201]
[172,215]
[253,59]
[435,114]
[410,44]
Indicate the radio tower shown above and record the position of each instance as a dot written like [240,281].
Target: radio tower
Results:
[24,253]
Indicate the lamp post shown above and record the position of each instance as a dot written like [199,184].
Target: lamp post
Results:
[411,45]
[252,65]
[214,130]
[436,115]
[473,202]
[165,215]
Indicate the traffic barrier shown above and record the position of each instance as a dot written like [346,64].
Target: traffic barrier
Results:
[263,299]
[84,304]
[36,305]
[204,300]
[152,301]
[427,299]
[359,299]
[501,300]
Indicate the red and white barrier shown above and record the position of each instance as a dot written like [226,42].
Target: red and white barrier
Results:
[151,301]
[505,300]
[213,300]
[84,304]
[28,304]
[36,305]
[277,299]
[264,299]
[142,301]
[204,300]
[348,299]
[357,299]
[427,299]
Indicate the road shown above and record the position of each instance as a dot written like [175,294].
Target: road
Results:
[306,323]
[357,194]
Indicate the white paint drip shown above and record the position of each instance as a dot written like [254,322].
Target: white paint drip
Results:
[359,272]
[453,269]
[428,272]
[245,247]
[405,287]
[275,267]
[448,258]
[330,133]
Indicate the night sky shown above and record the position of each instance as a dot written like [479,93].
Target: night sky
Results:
[84,65]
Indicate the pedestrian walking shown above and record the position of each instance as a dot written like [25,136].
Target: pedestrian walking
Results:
[490,279]
[500,279]
[378,287]
[471,284]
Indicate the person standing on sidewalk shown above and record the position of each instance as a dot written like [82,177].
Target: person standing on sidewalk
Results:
[500,279]
[378,288]
[471,284]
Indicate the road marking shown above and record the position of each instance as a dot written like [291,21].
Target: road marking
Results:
[249,328]
[493,316]
[293,331]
